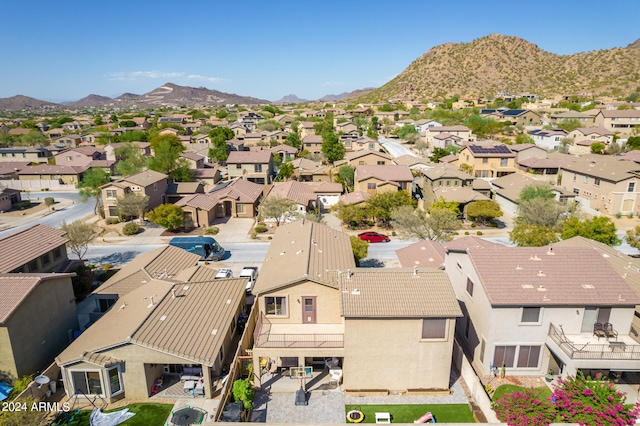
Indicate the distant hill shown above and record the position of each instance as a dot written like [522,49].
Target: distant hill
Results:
[346,95]
[498,63]
[90,101]
[291,99]
[20,102]
[174,95]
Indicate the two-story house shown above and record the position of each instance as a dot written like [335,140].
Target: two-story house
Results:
[539,309]
[462,132]
[622,121]
[29,154]
[81,156]
[254,166]
[68,175]
[150,183]
[306,170]
[68,141]
[440,175]
[308,195]
[37,316]
[584,118]
[38,249]
[548,139]
[312,143]
[368,158]
[603,184]
[484,161]
[383,178]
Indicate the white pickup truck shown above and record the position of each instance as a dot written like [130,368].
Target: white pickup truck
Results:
[250,272]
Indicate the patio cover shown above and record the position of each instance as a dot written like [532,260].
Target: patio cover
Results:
[4,390]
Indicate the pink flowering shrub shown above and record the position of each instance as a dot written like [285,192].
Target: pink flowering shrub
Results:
[576,399]
[585,401]
[524,408]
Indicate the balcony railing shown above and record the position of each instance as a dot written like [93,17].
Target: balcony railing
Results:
[264,338]
[611,350]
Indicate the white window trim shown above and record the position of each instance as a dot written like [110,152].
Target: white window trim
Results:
[286,296]
[117,367]
[102,380]
[540,315]
[447,325]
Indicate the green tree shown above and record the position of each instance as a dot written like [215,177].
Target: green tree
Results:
[286,171]
[540,211]
[524,139]
[599,229]
[352,215]
[407,129]
[441,203]
[79,234]
[279,209]
[597,147]
[222,113]
[379,206]
[132,204]
[532,235]
[168,216]
[483,126]
[34,137]
[97,120]
[386,108]
[565,145]
[167,159]
[537,190]
[219,137]
[437,154]
[268,126]
[439,225]
[90,185]
[325,126]
[483,212]
[633,237]
[130,160]
[346,176]
[128,123]
[359,247]
[633,142]
[569,125]
[332,148]
[293,139]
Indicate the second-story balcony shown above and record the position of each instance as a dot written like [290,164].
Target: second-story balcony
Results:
[587,346]
[268,335]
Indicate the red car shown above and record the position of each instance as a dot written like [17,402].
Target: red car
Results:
[373,237]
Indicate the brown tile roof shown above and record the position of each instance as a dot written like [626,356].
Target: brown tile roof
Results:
[387,173]
[194,323]
[449,158]
[199,201]
[249,157]
[626,266]
[243,191]
[23,246]
[51,169]
[312,139]
[358,154]
[145,178]
[284,148]
[192,156]
[15,288]
[425,253]
[207,172]
[628,113]
[523,147]
[305,164]
[447,129]
[465,243]
[304,250]
[445,170]
[183,187]
[605,167]
[540,276]
[355,197]
[459,194]
[159,264]
[594,130]
[443,136]
[397,293]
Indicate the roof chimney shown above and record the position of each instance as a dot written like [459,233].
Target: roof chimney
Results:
[173,293]
[415,270]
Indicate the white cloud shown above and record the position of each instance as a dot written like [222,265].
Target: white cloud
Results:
[134,75]
[333,83]
[205,78]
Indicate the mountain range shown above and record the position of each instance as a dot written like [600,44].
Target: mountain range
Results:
[482,67]
[498,63]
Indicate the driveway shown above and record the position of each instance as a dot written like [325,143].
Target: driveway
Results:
[395,149]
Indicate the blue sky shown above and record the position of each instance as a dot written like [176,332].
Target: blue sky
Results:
[67,50]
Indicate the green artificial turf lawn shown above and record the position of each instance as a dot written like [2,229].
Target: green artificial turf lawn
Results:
[443,413]
[543,391]
[146,415]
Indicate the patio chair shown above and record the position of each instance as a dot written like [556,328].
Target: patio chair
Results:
[598,330]
[335,376]
[383,418]
[609,331]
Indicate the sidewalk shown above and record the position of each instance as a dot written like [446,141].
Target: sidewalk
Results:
[11,220]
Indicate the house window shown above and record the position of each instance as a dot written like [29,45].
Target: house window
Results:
[33,265]
[347,143]
[586,179]
[456,183]
[370,146]
[238,166]
[371,186]
[241,208]
[631,187]
[114,380]
[87,381]
[530,315]
[112,194]
[574,176]
[68,158]
[57,253]
[469,286]
[257,168]
[504,355]
[381,163]
[504,162]
[361,163]
[403,186]
[275,305]
[528,356]
[45,259]
[596,181]
[434,328]
[113,211]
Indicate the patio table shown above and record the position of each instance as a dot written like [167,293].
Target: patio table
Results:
[189,385]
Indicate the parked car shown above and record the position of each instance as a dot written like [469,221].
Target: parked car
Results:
[224,273]
[373,237]
[251,273]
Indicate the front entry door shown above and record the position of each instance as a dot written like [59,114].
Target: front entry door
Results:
[308,309]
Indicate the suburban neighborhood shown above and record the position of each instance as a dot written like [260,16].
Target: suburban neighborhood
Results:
[180,259]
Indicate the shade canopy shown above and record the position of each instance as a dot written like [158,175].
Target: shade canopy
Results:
[5,389]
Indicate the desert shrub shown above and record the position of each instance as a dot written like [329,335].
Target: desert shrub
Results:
[260,228]
[49,201]
[254,236]
[22,204]
[211,230]
[479,233]
[131,228]
[111,220]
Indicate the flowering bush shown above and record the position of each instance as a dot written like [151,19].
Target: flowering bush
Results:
[524,408]
[576,399]
[592,402]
